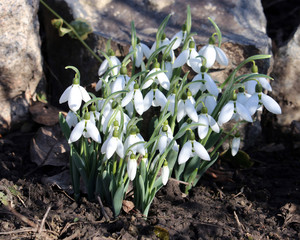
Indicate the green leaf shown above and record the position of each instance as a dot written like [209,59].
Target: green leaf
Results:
[142,192]
[188,19]
[240,160]
[118,200]
[64,126]
[217,31]
[191,165]
[82,27]
[161,28]
[213,138]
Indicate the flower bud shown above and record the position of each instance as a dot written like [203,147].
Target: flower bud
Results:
[76,81]
[87,116]
[191,135]
[156,64]
[123,70]
[191,44]
[93,108]
[110,52]
[183,28]
[204,110]
[163,36]
[212,40]
[258,88]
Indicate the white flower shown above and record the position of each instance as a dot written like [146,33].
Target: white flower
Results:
[137,96]
[165,172]
[160,78]
[74,95]
[213,53]
[85,128]
[231,108]
[99,83]
[132,139]
[206,121]
[71,119]
[209,84]
[154,98]
[114,61]
[209,101]
[163,42]
[251,85]
[190,149]
[180,38]
[119,83]
[131,167]
[235,145]
[141,51]
[171,98]
[165,139]
[113,144]
[258,99]
[186,55]
[187,107]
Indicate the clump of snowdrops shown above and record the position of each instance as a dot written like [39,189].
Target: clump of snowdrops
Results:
[185,129]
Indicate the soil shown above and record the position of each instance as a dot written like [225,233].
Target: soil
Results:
[230,202]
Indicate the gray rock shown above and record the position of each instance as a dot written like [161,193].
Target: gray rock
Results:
[242,23]
[286,86]
[20,62]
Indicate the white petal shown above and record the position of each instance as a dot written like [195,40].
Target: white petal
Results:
[127,98]
[147,84]
[93,132]
[103,67]
[98,85]
[211,85]
[111,147]
[118,84]
[120,149]
[226,113]
[213,124]
[139,56]
[243,112]
[165,174]
[190,110]
[162,143]
[250,86]
[146,50]
[65,96]
[163,80]
[243,97]
[171,107]
[115,62]
[209,53]
[77,131]
[252,104]
[270,104]
[265,84]
[203,129]
[181,59]
[148,100]
[104,145]
[84,94]
[160,98]
[180,110]
[131,168]
[138,102]
[185,153]
[221,56]
[75,99]
[168,67]
[235,146]
[71,119]
[201,151]
[178,36]
[210,102]
[196,64]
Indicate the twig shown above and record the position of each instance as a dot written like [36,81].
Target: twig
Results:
[242,190]
[179,181]
[102,209]
[241,226]
[43,221]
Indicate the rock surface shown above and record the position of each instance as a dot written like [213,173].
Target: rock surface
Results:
[20,62]
[286,85]
[242,23]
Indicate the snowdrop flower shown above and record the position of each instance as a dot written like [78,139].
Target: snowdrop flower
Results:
[186,106]
[119,83]
[165,139]
[168,67]
[99,83]
[94,115]
[180,37]
[186,55]
[235,144]
[210,102]
[134,138]
[154,98]
[131,167]
[160,78]
[74,95]
[163,42]
[207,83]
[242,96]
[233,106]
[71,119]
[141,51]
[207,121]
[258,99]
[165,172]
[114,61]
[113,144]
[250,85]
[137,96]
[85,128]
[213,53]
[192,148]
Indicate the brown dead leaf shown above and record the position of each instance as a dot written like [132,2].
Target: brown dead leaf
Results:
[127,206]
[44,113]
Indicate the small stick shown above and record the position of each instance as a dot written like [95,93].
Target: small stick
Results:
[102,209]
[241,227]
[44,219]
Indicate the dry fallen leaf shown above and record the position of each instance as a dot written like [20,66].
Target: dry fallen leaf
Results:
[127,206]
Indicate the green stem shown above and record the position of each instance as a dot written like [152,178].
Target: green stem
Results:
[73,30]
